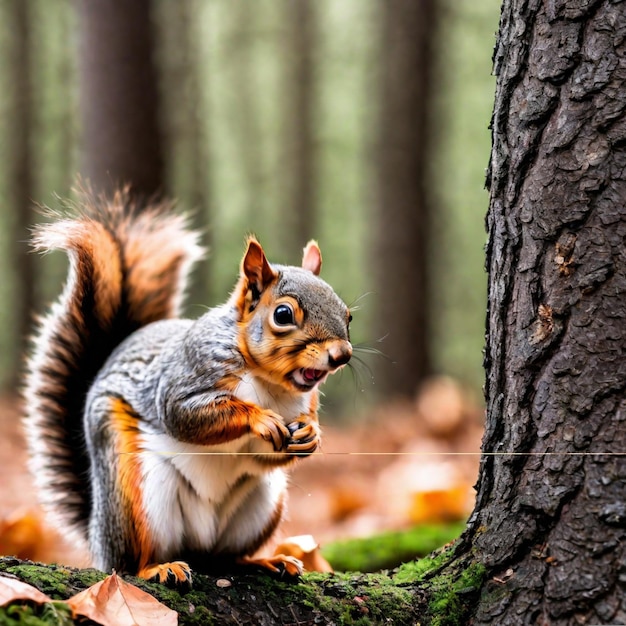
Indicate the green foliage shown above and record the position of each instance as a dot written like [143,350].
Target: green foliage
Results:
[391,549]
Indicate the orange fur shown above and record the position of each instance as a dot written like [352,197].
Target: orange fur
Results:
[128,447]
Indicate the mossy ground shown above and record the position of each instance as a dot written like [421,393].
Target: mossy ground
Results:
[56,581]
[26,614]
[436,590]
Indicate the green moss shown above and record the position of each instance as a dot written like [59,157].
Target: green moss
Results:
[453,593]
[416,571]
[29,614]
[450,585]
[388,550]
[359,598]
[56,581]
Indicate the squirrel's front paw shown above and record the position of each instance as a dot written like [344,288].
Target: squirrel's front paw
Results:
[271,428]
[305,438]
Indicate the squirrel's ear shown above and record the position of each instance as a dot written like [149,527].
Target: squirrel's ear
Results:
[255,266]
[312,257]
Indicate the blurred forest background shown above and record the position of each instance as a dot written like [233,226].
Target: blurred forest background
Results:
[356,122]
[361,123]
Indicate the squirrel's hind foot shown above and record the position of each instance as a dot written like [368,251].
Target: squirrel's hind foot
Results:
[174,574]
[279,565]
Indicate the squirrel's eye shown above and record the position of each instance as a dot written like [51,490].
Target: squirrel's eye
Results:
[283,315]
[349,318]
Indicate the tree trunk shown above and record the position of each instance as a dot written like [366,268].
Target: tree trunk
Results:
[119,97]
[402,224]
[550,516]
[299,218]
[184,129]
[20,177]
[248,128]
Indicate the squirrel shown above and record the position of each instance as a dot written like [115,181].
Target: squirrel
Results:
[164,441]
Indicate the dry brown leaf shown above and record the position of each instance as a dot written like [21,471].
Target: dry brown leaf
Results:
[441,505]
[22,534]
[114,602]
[305,548]
[12,589]
[348,497]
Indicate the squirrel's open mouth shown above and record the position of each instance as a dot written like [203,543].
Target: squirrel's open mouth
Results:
[307,377]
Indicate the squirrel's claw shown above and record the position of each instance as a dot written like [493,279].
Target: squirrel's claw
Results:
[302,449]
[272,429]
[303,431]
[305,438]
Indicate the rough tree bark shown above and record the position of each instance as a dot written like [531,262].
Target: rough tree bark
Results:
[401,221]
[551,509]
[121,138]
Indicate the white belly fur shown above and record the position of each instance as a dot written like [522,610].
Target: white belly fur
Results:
[257,391]
[209,497]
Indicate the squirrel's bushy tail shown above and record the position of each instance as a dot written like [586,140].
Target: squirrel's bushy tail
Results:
[128,267]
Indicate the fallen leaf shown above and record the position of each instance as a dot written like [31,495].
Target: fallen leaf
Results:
[25,535]
[12,589]
[305,548]
[440,505]
[21,534]
[347,497]
[114,602]
[427,491]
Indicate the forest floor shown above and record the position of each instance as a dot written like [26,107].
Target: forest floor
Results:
[401,465]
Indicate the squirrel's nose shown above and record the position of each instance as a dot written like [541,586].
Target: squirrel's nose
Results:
[339,353]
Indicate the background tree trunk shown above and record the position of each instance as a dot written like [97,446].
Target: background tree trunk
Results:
[550,517]
[402,222]
[184,127]
[119,96]
[20,177]
[299,214]
[248,129]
